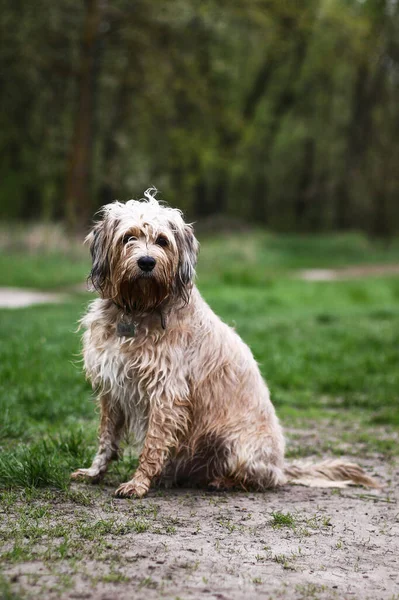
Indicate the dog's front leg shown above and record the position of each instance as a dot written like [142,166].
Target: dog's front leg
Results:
[167,421]
[111,426]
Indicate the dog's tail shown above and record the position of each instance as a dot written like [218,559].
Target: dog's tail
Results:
[329,473]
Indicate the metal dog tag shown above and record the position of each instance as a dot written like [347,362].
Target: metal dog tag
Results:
[125,329]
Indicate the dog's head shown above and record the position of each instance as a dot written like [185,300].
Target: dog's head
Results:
[143,254]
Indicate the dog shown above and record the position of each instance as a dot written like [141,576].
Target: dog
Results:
[170,372]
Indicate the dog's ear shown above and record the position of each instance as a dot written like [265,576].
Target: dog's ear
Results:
[99,244]
[188,247]
[188,256]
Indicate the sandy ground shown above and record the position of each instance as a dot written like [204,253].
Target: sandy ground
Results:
[18,297]
[348,273]
[342,544]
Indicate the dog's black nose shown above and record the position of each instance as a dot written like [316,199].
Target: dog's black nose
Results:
[146,263]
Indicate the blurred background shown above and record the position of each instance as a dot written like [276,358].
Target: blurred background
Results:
[283,114]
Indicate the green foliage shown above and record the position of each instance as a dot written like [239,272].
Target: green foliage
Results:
[281,519]
[6,593]
[35,466]
[275,112]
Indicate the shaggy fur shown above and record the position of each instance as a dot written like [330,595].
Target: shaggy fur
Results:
[170,372]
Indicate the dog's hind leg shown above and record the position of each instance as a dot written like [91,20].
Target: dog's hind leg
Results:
[111,427]
[226,461]
[252,475]
[255,462]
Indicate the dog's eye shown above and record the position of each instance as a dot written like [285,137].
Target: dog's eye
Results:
[128,238]
[161,241]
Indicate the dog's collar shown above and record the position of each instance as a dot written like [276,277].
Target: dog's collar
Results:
[126,326]
[125,329]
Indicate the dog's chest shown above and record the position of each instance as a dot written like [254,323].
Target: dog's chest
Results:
[122,366]
[139,372]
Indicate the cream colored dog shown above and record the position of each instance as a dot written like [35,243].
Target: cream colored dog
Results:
[168,370]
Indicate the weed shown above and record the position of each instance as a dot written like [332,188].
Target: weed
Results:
[281,519]
[228,524]
[284,561]
[309,590]
[115,577]
[148,582]
[6,592]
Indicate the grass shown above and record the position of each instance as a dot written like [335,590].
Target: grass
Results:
[48,271]
[280,519]
[45,257]
[331,341]
[253,258]
[42,256]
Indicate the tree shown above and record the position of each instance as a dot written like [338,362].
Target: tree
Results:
[78,197]
[280,113]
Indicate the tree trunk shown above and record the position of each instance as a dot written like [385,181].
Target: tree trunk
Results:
[301,204]
[78,196]
[122,107]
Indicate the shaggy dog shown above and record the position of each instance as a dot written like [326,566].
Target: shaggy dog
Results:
[170,372]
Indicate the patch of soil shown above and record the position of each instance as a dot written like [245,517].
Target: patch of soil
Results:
[348,272]
[19,298]
[341,544]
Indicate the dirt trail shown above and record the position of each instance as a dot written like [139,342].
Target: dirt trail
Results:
[348,273]
[19,298]
[228,546]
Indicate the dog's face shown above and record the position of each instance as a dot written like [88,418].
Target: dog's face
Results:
[143,254]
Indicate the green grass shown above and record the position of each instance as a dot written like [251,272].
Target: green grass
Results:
[254,258]
[323,347]
[280,519]
[250,258]
[336,340]
[45,271]
[6,592]
[41,255]
[327,350]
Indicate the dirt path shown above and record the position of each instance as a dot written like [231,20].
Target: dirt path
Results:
[186,544]
[19,298]
[348,273]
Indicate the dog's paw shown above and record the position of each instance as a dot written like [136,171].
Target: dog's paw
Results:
[131,489]
[90,474]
